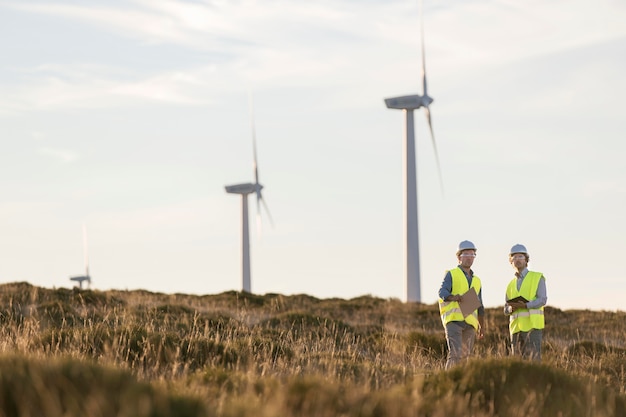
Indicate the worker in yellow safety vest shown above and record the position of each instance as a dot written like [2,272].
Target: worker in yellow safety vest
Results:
[526,296]
[461,330]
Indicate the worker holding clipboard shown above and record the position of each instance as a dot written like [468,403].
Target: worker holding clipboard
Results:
[460,305]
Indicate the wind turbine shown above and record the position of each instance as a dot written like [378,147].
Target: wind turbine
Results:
[82,278]
[244,190]
[407,104]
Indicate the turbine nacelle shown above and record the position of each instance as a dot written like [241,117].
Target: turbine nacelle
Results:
[247,188]
[81,279]
[411,102]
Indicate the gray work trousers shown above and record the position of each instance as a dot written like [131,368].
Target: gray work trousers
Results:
[527,344]
[460,337]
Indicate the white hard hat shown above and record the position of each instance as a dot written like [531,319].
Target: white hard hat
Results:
[518,248]
[465,245]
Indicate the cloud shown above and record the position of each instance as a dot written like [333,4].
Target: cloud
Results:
[71,86]
[150,22]
[64,156]
[283,44]
[597,188]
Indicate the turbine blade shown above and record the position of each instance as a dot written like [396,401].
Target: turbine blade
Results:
[267,211]
[85,250]
[259,226]
[254,155]
[258,206]
[258,186]
[432,136]
[259,221]
[424,86]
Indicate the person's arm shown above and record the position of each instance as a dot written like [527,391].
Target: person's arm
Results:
[481,309]
[507,307]
[446,287]
[481,316]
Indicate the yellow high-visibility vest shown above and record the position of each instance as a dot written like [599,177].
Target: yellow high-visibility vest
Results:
[524,319]
[450,310]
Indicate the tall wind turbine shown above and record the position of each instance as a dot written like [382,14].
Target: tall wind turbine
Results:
[244,190]
[84,278]
[411,251]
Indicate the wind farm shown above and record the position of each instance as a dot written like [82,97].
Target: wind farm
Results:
[130,118]
[137,130]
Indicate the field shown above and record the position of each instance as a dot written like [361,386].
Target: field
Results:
[135,353]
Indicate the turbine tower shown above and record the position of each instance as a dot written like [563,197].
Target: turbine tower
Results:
[244,190]
[84,278]
[411,250]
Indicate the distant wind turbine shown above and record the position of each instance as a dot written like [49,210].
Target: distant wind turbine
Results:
[244,190]
[82,278]
[407,104]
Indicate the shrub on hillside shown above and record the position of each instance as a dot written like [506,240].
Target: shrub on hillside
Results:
[512,387]
[70,388]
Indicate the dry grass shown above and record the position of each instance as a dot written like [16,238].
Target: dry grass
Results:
[236,354]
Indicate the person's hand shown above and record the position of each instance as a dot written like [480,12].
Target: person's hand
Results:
[516,305]
[457,297]
[481,333]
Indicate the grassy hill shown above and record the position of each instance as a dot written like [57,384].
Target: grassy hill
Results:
[136,353]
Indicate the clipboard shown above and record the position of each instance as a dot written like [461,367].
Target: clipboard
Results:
[520,298]
[470,302]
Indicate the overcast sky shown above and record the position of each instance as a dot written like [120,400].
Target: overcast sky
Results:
[131,116]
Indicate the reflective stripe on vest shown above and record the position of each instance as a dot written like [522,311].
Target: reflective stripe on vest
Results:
[524,320]
[450,310]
